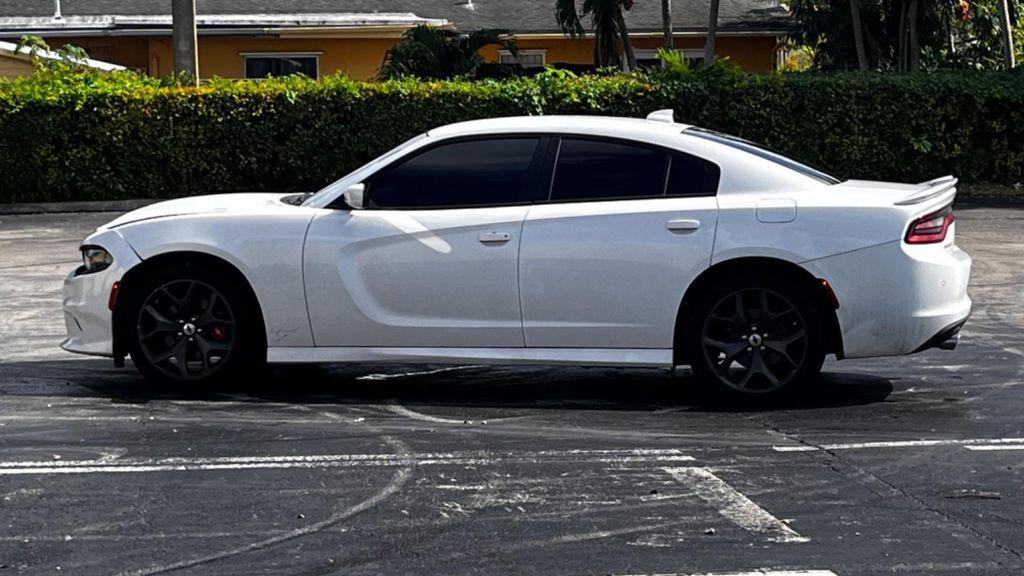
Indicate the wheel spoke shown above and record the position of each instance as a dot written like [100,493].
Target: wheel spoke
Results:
[781,345]
[164,325]
[205,347]
[758,366]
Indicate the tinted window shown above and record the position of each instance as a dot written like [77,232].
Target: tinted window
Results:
[689,176]
[466,173]
[596,169]
[762,152]
[277,66]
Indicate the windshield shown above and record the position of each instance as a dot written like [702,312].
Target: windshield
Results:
[762,152]
[330,188]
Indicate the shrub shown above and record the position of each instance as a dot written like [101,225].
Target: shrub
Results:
[85,136]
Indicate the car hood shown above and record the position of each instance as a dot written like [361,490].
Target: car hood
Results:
[211,204]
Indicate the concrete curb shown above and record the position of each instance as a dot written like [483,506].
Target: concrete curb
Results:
[63,207]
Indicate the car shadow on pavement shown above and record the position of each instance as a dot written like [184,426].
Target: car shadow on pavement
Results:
[456,386]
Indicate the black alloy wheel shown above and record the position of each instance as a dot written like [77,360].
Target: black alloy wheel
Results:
[756,340]
[186,329]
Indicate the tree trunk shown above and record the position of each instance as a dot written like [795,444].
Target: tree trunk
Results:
[666,24]
[913,55]
[709,46]
[183,36]
[858,35]
[1007,30]
[901,44]
[629,61]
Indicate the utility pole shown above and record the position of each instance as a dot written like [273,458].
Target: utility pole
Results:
[1007,26]
[186,56]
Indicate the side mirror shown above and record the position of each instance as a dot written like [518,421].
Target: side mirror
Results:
[354,196]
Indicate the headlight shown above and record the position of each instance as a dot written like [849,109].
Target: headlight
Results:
[94,259]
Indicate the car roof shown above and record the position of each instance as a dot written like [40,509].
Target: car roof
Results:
[596,125]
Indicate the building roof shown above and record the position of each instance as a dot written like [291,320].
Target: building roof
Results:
[11,50]
[524,17]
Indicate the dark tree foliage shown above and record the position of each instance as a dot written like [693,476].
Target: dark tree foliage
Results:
[949,33]
[439,53]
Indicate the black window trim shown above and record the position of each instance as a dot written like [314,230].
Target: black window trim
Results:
[533,178]
[552,164]
[542,166]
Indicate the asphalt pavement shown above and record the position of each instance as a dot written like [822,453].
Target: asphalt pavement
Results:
[909,465]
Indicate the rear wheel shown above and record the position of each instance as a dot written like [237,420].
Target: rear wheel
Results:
[190,324]
[756,338]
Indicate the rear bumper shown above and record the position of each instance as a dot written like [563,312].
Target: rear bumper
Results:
[86,298]
[898,299]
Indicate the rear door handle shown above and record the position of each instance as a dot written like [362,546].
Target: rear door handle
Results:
[682,225]
[494,237]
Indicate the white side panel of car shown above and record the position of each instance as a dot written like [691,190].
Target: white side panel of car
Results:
[611,274]
[415,277]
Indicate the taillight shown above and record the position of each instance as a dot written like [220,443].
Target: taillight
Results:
[931,228]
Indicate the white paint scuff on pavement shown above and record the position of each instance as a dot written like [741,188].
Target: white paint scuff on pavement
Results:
[733,505]
[477,458]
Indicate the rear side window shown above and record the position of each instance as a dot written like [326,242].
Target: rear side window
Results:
[691,176]
[762,152]
[597,169]
[459,174]
[589,169]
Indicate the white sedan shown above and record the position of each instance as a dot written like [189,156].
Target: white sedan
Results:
[537,240]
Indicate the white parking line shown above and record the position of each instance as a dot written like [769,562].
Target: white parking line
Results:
[900,444]
[478,458]
[754,573]
[732,504]
[1003,447]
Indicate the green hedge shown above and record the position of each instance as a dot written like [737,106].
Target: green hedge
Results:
[89,137]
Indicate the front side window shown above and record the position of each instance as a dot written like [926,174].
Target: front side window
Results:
[278,65]
[466,173]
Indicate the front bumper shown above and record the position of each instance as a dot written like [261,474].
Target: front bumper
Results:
[86,298]
[897,298]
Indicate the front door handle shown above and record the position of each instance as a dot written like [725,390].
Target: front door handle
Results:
[682,225]
[494,237]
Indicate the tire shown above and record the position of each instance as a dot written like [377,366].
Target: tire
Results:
[756,338]
[190,324]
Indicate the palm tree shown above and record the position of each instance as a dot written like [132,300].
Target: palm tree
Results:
[426,52]
[709,45]
[666,24]
[611,36]
[858,34]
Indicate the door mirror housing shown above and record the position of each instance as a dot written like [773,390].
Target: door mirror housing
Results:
[354,196]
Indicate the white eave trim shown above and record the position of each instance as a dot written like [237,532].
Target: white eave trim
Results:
[11,50]
[286,21]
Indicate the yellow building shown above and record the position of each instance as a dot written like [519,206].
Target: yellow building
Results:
[286,36]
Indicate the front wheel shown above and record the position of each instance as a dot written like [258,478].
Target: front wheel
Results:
[190,325]
[758,337]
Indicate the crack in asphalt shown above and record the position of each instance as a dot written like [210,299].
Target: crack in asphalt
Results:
[398,480]
[896,489]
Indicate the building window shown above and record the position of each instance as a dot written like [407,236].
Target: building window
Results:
[526,58]
[649,58]
[263,65]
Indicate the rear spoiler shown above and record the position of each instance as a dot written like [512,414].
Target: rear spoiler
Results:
[929,190]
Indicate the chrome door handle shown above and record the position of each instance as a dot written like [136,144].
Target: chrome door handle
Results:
[682,225]
[494,237]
